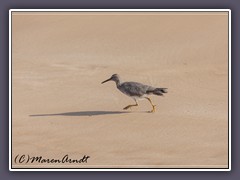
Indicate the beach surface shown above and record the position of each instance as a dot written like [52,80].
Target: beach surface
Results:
[60,107]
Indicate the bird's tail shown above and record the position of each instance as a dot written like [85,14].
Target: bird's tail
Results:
[159,91]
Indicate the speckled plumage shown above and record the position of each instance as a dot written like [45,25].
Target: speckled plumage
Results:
[135,89]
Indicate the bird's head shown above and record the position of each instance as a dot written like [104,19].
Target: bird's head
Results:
[114,77]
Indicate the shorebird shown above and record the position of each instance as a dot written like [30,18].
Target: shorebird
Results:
[136,90]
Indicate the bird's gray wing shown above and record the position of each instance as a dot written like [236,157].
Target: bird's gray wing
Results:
[133,88]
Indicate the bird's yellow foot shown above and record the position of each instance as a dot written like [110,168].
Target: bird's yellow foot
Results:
[153,110]
[127,107]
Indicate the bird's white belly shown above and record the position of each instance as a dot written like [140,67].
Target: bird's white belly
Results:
[139,98]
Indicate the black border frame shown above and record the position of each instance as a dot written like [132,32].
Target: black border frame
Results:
[82,169]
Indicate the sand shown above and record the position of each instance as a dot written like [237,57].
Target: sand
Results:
[59,105]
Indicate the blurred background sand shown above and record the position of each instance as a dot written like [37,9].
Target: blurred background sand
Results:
[59,106]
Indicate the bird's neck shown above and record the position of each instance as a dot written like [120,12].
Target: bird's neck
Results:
[118,83]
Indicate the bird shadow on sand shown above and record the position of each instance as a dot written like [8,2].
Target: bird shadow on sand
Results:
[86,113]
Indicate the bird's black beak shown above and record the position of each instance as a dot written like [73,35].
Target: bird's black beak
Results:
[107,80]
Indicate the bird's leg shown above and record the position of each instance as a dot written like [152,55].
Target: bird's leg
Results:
[153,106]
[129,106]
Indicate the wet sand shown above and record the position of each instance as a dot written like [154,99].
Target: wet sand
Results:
[59,105]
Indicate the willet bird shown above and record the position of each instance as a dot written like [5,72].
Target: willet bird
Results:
[136,90]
